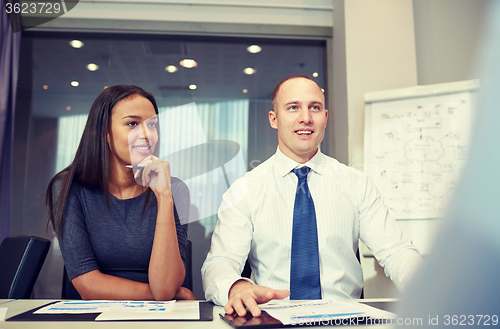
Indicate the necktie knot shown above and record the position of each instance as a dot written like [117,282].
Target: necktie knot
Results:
[301,172]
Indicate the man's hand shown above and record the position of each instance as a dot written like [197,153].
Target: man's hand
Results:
[244,294]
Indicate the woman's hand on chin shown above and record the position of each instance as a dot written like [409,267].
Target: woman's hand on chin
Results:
[156,175]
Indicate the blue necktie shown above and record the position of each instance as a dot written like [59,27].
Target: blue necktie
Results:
[304,268]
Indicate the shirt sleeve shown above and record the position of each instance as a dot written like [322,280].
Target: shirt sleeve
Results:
[230,246]
[380,232]
[75,244]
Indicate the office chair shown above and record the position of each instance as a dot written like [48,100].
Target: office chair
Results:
[69,291]
[362,296]
[247,270]
[188,279]
[22,259]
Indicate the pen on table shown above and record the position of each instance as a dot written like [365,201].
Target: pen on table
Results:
[135,167]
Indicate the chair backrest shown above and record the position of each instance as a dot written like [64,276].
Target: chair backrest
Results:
[22,259]
[362,296]
[68,289]
[188,279]
[247,270]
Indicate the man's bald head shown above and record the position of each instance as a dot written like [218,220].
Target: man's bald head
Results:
[277,89]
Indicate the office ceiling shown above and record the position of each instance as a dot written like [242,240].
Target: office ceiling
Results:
[131,60]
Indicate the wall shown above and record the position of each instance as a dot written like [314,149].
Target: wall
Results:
[274,12]
[374,49]
[448,36]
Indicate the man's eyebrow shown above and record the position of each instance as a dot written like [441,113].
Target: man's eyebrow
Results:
[292,102]
[321,104]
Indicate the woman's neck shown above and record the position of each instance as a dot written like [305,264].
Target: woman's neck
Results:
[123,185]
[125,192]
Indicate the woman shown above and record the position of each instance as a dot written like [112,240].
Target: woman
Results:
[119,240]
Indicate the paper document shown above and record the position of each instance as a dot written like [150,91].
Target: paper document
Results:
[184,310]
[100,306]
[3,313]
[332,312]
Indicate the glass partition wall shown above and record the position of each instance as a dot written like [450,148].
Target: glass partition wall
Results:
[229,80]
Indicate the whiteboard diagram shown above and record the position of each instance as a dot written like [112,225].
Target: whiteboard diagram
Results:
[416,149]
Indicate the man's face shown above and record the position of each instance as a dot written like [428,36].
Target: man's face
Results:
[300,118]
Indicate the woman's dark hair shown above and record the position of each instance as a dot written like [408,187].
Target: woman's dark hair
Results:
[90,168]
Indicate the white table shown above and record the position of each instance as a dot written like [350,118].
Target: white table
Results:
[22,305]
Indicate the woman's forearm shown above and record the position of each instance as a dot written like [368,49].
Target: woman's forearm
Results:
[166,269]
[96,285]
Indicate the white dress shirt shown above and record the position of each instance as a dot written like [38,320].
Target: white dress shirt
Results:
[256,219]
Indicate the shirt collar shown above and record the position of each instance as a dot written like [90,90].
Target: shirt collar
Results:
[285,164]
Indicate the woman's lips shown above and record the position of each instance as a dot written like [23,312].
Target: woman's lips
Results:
[141,149]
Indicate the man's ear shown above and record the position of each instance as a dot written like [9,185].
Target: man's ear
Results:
[272,119]
[326,121]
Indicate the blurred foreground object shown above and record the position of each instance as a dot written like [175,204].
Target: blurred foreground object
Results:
[458,283]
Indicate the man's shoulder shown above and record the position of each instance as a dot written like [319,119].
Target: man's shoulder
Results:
[259,173]
[333,167]
[261,168]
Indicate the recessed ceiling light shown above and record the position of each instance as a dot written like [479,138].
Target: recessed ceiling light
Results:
[171,69]
[45,87]
[92,67]
[188,63]
[68,108]
[249,71]
[76,44]
[254,49]
[315,74]
[245,91]
[75,83]
[192,87]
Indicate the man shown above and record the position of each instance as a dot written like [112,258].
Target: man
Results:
[259,214]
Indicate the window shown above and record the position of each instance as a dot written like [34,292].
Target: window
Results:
[229,79]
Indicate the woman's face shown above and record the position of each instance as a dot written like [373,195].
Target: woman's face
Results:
[132,134]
